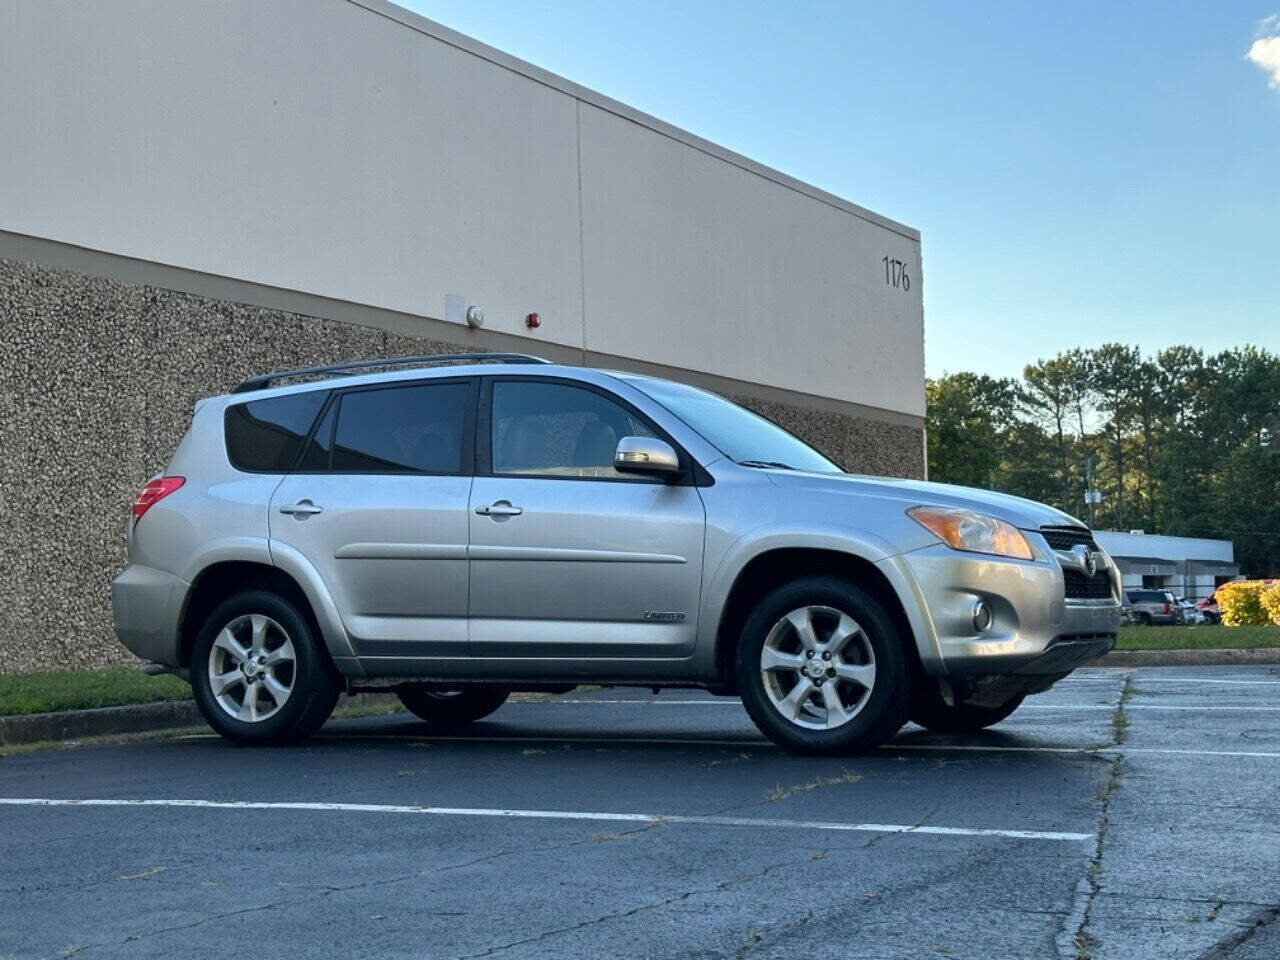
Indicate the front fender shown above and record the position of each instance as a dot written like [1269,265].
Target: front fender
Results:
[851,541]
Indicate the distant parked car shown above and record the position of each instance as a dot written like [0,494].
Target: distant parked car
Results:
[1190,612]
[1154,607]
[1209,609]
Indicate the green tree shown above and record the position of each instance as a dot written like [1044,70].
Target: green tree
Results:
[967,414]
[1114,366]
[1048,396]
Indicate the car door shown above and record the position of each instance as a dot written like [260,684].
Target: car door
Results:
[379,507]
[571,559]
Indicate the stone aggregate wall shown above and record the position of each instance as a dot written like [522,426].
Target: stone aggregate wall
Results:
[858,445]
[98,379]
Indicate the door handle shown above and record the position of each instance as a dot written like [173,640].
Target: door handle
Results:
[303,508]
[502,508]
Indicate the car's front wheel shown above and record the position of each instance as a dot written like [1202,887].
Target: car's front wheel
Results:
[821,668]
[452,706]
[933,713]
[258,673]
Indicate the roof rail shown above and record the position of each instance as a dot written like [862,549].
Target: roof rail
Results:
[265,380]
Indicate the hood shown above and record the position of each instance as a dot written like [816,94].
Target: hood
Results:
[1023,513]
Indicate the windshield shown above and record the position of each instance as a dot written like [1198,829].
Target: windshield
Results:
[737,432]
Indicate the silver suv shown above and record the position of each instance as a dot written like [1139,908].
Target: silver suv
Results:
[452,529]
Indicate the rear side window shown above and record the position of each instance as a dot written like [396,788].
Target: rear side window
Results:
[265,436]
[412,429]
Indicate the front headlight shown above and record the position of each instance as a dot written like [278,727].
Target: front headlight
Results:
[972,531]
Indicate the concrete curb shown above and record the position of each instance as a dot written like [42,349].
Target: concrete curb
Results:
[1187,658]
[106,721]
[103,721]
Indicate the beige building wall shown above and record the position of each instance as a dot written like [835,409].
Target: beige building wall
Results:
[192,192]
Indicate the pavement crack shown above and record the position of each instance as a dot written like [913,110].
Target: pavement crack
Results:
[720,887]
[1257,922]
[1079,943]
[322,891]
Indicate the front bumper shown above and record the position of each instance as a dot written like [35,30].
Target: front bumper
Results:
[1029,613]
[146,606]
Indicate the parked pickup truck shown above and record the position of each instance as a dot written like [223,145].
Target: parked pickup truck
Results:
[452,529]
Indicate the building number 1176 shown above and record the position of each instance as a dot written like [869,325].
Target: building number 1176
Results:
[895,274]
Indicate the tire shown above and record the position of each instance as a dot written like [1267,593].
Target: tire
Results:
[932,712]
[789,707]
[1144,619]
[247,706]
[452,707]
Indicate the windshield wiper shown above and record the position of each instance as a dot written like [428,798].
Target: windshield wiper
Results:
[766,463]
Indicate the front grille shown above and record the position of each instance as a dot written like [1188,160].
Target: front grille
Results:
[1064,538]
[1080,587]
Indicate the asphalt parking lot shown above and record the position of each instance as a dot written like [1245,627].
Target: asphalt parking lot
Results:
[1126,813]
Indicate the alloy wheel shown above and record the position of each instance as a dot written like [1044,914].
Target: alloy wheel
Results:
[252,667]
[818,667]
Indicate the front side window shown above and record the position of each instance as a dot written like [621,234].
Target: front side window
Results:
[558,430]
[264,436]
[733,430]
[409,429]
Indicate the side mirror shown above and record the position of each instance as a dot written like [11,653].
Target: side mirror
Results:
[646,456]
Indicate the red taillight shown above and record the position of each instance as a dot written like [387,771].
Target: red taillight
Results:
[155,491]
[1166,608]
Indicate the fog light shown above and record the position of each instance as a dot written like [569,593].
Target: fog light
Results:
[981,616]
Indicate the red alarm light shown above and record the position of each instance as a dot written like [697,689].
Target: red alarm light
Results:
[533,321]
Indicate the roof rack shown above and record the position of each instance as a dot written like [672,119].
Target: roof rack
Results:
[265,380]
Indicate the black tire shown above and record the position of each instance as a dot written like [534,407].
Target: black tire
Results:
[1144,619]
[932,712]
[314,683]
[885,706]
[452,706]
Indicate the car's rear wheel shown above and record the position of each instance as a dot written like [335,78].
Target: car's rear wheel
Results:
[1144,619]
[933,713]
[258,673]
[452,706]
[821,668]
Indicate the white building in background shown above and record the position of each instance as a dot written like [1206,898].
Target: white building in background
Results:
[1188,566]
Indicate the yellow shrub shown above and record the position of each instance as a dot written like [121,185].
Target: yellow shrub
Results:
[1241,603]
[1270,601]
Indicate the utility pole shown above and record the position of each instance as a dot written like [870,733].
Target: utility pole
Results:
[1091,496]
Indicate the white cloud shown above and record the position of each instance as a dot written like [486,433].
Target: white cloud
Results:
[1265,51]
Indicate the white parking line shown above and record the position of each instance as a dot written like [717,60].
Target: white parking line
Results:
[651,818]
[1026,706]
[1093,751]
[1195,708]
[1149,678]
[762,744]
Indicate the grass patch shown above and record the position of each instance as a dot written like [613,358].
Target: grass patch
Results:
[1199,637]
[25,693]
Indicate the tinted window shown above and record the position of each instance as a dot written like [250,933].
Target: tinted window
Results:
[266,435]
[557,430]
[413,429]
[735,431]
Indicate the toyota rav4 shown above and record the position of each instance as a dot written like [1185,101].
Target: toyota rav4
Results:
[452,529]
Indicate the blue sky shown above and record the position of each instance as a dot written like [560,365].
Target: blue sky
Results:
[1079,172]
